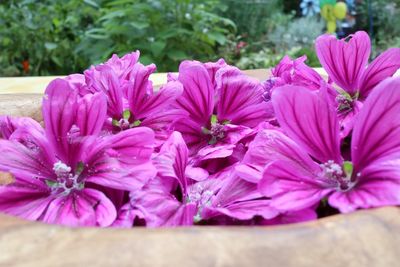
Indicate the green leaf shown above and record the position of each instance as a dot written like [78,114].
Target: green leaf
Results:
[146,59]
[176,54]
[97,33]
[157,47]
[91,3]
[50,46]
[56,61]
[218,37]
[140,25]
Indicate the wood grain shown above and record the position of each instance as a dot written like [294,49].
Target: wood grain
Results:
[365,238]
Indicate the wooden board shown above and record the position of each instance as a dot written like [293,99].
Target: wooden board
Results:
[365,238]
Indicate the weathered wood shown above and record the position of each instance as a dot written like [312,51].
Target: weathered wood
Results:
[21,105]
[365,238]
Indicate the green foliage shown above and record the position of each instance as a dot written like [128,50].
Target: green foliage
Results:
[300,32]
[165,32]
[56,37]
[43,35]
[252,16]
[386,22]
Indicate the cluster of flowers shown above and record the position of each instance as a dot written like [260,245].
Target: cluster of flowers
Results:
[211,146]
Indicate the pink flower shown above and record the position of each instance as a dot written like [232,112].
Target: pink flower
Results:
[131,99]
[294,72]
[63,173]
[182,195]
[223,106]
[346,62]
[311,163]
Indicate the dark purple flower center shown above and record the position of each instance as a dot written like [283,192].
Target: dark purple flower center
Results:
[126,122]
[339,177]
[216,130]
[345,104]
[66,181]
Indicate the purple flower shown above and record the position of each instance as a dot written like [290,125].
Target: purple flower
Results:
[223,105]
[294,72]
[64,172]
[312,164]
[131,99]
[346,62]
[182,195]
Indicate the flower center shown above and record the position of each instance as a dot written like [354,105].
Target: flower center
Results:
[216,131]
[201,197]
[338,176]
[125,122]
[67,181]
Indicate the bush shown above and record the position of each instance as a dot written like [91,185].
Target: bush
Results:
[39,37]
[164,31]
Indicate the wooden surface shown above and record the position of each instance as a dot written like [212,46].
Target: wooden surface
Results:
[365,238]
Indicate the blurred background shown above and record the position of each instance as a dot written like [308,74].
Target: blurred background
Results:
[57,37]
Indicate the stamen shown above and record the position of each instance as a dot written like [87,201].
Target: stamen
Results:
[66,181]
[202,198]
[338,176]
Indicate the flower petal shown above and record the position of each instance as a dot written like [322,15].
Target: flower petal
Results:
[268,146]
[310,120]
[70,210]
[377,128]
[24,200]
[160,101]
[92,112]
[344,61]
[134,145]
[239,98]
[289,188]
[246,210]
[381,68]
[103,79]
[88,207]
[59,114]
[9,125]
[378,185]
[140,87]
[24,162]
[162,209]
[293,217]
[198,94]
[123,66]
[172,160]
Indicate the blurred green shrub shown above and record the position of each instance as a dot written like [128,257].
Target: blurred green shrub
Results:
[251,16]
[164,31]
[39,37]
[385,22]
